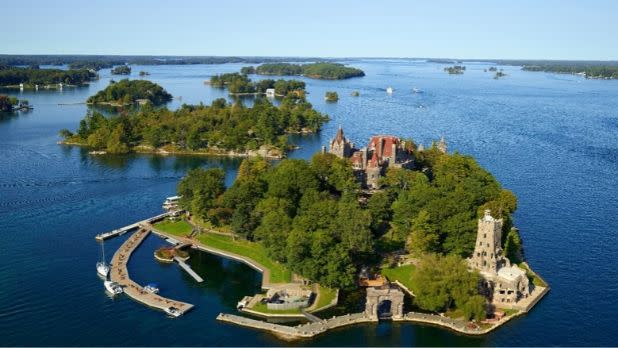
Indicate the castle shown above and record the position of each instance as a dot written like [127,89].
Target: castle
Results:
[503,283]
[370,162]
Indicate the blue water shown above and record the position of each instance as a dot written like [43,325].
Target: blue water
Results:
[549,138]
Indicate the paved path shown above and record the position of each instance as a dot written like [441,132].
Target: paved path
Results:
[120,274]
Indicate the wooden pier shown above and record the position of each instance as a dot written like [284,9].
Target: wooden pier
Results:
[120,274]
[188,269]
[120,231]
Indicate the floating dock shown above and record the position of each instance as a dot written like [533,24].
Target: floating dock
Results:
[120,274]
[188,269]
[120,231]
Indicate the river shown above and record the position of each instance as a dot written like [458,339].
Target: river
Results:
[549,138]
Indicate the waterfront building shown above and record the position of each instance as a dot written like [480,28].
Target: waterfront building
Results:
[370,162]
[503,283]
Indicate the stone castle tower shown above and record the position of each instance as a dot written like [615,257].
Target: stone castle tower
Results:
[487,255]
[340,145]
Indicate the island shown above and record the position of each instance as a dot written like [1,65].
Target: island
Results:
[355,93]
[324,71]
[217,129]
[9,104]
[90,65]
[499,74]
[455,69]
[144,73]
[121,70]
[393,219]
[241,84]
[32,77]
[127,92]
[331,96]
[588,71]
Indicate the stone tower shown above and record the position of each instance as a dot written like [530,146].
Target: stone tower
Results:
[340,146]
[488,248]
[442,145]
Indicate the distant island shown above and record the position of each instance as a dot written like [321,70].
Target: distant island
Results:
[239,84]
[331,96]
[324,71]
[121,70]
[218,129]
[90,65]
[126,92]
[9,103]
[455,70]
[34,77]
[589,72]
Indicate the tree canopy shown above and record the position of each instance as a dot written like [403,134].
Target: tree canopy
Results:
[129,91]
[326,71]
[29,76]
[220,126]
[121,70]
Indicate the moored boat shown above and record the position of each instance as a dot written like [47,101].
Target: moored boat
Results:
[173,312]
[102,266]
[113,287]
[152,288]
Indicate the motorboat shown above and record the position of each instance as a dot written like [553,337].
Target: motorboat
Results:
[389,90]
[113,287]
[416,90]
[152,288]
[173,312]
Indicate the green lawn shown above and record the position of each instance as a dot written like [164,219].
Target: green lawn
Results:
[261,307]
[278,272]
[531,275]
[178,228]
[403,274]
[327,295]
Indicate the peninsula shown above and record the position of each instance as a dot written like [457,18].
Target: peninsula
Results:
[217,129]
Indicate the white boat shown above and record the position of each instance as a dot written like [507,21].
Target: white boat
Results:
[173,312]
[389,90]
[171,203]
[102,266]
[416,90]
[152,288]
[113,287]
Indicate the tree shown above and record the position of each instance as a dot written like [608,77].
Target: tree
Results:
[513,247]
[199,189]
[423,238]
[442,282]
[475,308]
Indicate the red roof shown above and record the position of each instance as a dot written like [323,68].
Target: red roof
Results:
[383,144]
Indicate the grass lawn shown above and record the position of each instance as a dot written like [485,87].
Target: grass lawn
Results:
[278,272]
[403,274]
[327,295]
[178,228]
[531,275]
[261,307]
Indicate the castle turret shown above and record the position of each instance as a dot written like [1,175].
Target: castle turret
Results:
[340,145]
[488,251]
[442,145]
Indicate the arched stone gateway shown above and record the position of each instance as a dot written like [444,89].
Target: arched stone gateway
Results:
[385,302]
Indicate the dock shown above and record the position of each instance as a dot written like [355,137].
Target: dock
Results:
[120,274]
[120,231]
[188,269]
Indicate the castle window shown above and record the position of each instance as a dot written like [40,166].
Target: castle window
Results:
[484,235]
[478,254]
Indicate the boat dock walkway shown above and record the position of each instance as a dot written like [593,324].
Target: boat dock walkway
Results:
[188,269]
[120,274]
[123,230]
[299,331]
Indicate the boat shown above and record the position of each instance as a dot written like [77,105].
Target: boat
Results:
[173,312]
[152,288]
[171,203]
[389,90]
[416,90]
[102,266]
[113,287]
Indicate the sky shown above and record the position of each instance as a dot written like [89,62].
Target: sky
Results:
[491,29]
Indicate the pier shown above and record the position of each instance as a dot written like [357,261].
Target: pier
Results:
[120,231]
[120,275]
[188,269]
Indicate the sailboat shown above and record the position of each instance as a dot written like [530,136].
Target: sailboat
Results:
[102,266]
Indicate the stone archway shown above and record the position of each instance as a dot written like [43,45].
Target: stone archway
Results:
[377,298]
